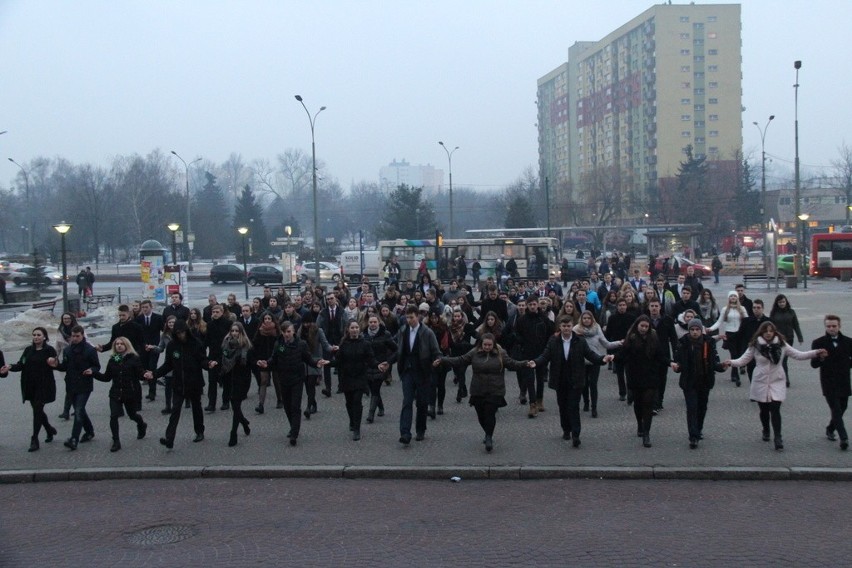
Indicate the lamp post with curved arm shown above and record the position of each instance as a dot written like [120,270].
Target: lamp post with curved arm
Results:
[313,120]
[188,230]
[29,208]
[63,228]
[763,218]
[450,160]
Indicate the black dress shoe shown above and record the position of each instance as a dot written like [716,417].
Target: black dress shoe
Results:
[844,445]
[489,443]
[150,398]
[380,412]
[779,443]
[356,435]
[279,405]
[830,435]
[64,416]
[232,441]
[313,409]
[225,406]
[307,414]
[51,432]
[766,435]
[141,430]
[431,412]
[259,409]
[585,408]
[209,408]
[87,437]
[575,441]
[293,441]
[246,429]
[440,410]
[639,433]
[420,436]
[326,393]
[116,445]
[405,440]
[622,398]
[594,413]
[167,443]
[33,444]
[71,444]
[693,443]
[198,438]
[646,441]
[566,435]
[166,410]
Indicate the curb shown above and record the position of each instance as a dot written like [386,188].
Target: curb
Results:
[432,473]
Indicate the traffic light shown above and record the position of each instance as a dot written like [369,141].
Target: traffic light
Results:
[439,238]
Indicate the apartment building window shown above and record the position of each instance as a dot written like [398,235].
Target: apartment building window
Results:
[699,75]
[713,101]
[713,84]
[714,134]
[712,18]
[713,150]
[685,101]
[684,52]
[699,107]
[686,117]
[684,19]
[712,68]
[699,91]
[685,134]
[685,68]
[711,35]
[685,84]
[698,26]
[712,52]
[684,36]
[699,140]
[699,124]
[697,42]
[714,117]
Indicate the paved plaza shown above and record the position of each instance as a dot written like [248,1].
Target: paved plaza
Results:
[732,431]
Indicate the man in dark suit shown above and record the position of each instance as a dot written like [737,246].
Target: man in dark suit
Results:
[834,376]
[417,350]
[567,355]
[152,325]
[176,308]
[332,323]
[249,321]
[665,328]
[749,327]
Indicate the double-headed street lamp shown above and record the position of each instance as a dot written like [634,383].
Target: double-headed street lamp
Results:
[450,160]
[763,218]
[173,227]
[243,231]
[188,230]
[313,120]
[63,228]
[29,209]
[797,65]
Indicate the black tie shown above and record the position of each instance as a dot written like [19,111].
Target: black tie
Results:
[147,320]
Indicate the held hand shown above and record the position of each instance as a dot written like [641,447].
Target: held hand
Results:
[148,347]
[675,367]
[99,348]
[262,364]
[211,364]
[322,362]
[4,369]
[334,348]
[148,375]
[383,367]
[52,362]
[87,372]
[608,358]
[823,353]
[436,363]
[531,364]
[727,364]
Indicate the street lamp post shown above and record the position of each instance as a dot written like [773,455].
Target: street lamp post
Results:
[797,65]
[173,227]
[450,160]
[188,230]
[63,228]
[244,231]
[313,120]
[29,208]
[803,220]
[289,230]
[763,218]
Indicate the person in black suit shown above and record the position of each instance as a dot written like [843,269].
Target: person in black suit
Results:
[665,328]
[834,376]
[176,308]
[567,354]
[333,324]
[749,327]
[249,321]
[152,325]
[125,327]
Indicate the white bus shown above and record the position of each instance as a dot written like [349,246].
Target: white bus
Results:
[536,257]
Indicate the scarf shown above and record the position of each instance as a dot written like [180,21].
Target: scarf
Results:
[268,328]
[457,330]
[231,353]
[771,351]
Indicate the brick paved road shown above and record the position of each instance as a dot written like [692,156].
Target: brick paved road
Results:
[421,523]
[732,430]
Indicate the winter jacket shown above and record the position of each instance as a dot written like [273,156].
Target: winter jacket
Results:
[768,381]
[37,383]
[77,358]
[125,373]
[489,369]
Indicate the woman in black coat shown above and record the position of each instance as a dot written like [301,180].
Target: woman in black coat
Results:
[237,363]
[353,360]
[124,370]
[384,350]
[185,359]
[642,354]
[37,383]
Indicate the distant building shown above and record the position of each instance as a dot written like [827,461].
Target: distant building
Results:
[629,104]
[396,173]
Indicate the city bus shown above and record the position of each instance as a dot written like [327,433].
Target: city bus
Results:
[831,253]
[536,257]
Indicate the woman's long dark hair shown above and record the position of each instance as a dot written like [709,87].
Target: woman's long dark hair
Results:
[775,309]
[635,341]
[762,329]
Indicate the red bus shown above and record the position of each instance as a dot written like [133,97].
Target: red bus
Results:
[830,254]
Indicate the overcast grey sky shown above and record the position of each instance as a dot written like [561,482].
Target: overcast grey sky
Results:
[88,80]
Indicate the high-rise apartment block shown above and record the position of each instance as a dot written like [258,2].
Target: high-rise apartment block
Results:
[401,172]
[631,103]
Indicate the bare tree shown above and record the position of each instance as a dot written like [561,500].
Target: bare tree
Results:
[843,168]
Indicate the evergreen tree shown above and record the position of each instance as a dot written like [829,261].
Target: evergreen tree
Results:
[519,212]
[407,215]
[209,217]
[249,213]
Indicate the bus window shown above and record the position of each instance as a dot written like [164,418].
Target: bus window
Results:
[841,250]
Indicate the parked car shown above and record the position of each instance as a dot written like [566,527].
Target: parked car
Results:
[701,270]
[328,271]
[786,264]
[222,273]
[265,274]
[25,275]
[577,269]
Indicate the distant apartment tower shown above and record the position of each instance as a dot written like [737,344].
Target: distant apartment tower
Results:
[398,173]
[633,101]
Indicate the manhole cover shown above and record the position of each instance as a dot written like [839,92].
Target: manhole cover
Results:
[164,534]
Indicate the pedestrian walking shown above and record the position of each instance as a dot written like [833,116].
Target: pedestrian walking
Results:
[591,331]
[488,382]
[319,348]
[80,363]
[165,337]
[785,319]
[384,350]
[834,375]
[126,372]
[236,366]
[731,318]
[768,385]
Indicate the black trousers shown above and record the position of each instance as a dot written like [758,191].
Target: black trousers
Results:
[39,418]
[568,399]
[771,412]
[838,405]
[643,406]
[618,367]
[149,361]
[291,395]
[661,390]
[177,407]
[311,390]
[116,411]
[438,388]
[375,385]
[486,413]
[214,379]
[590,393]
[540,379]
[696,410]
[354,408]
[526,383]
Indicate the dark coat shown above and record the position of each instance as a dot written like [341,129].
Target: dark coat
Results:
[489,370]
[426,350]
[126,374]
[384,350]
[834,369]
[353,360]
[132,331]
[240,375]
[532,333]
[185,361]
[288,360]
[618,325]
[150,332]
[578,353]
[334,329]
[37,383]
[690,377]
[643,369]
[666,333]
[76,359]
[787,323]
[180,312]
[251,326]
[217,330]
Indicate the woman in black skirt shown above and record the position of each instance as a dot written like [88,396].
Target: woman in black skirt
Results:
[236,367]
[125,371]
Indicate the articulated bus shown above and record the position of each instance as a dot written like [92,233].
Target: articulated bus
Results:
[537,257]
[831,253]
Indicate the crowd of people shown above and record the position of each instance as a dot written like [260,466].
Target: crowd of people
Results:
[549,333]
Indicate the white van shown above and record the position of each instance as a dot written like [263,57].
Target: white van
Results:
[350,262]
